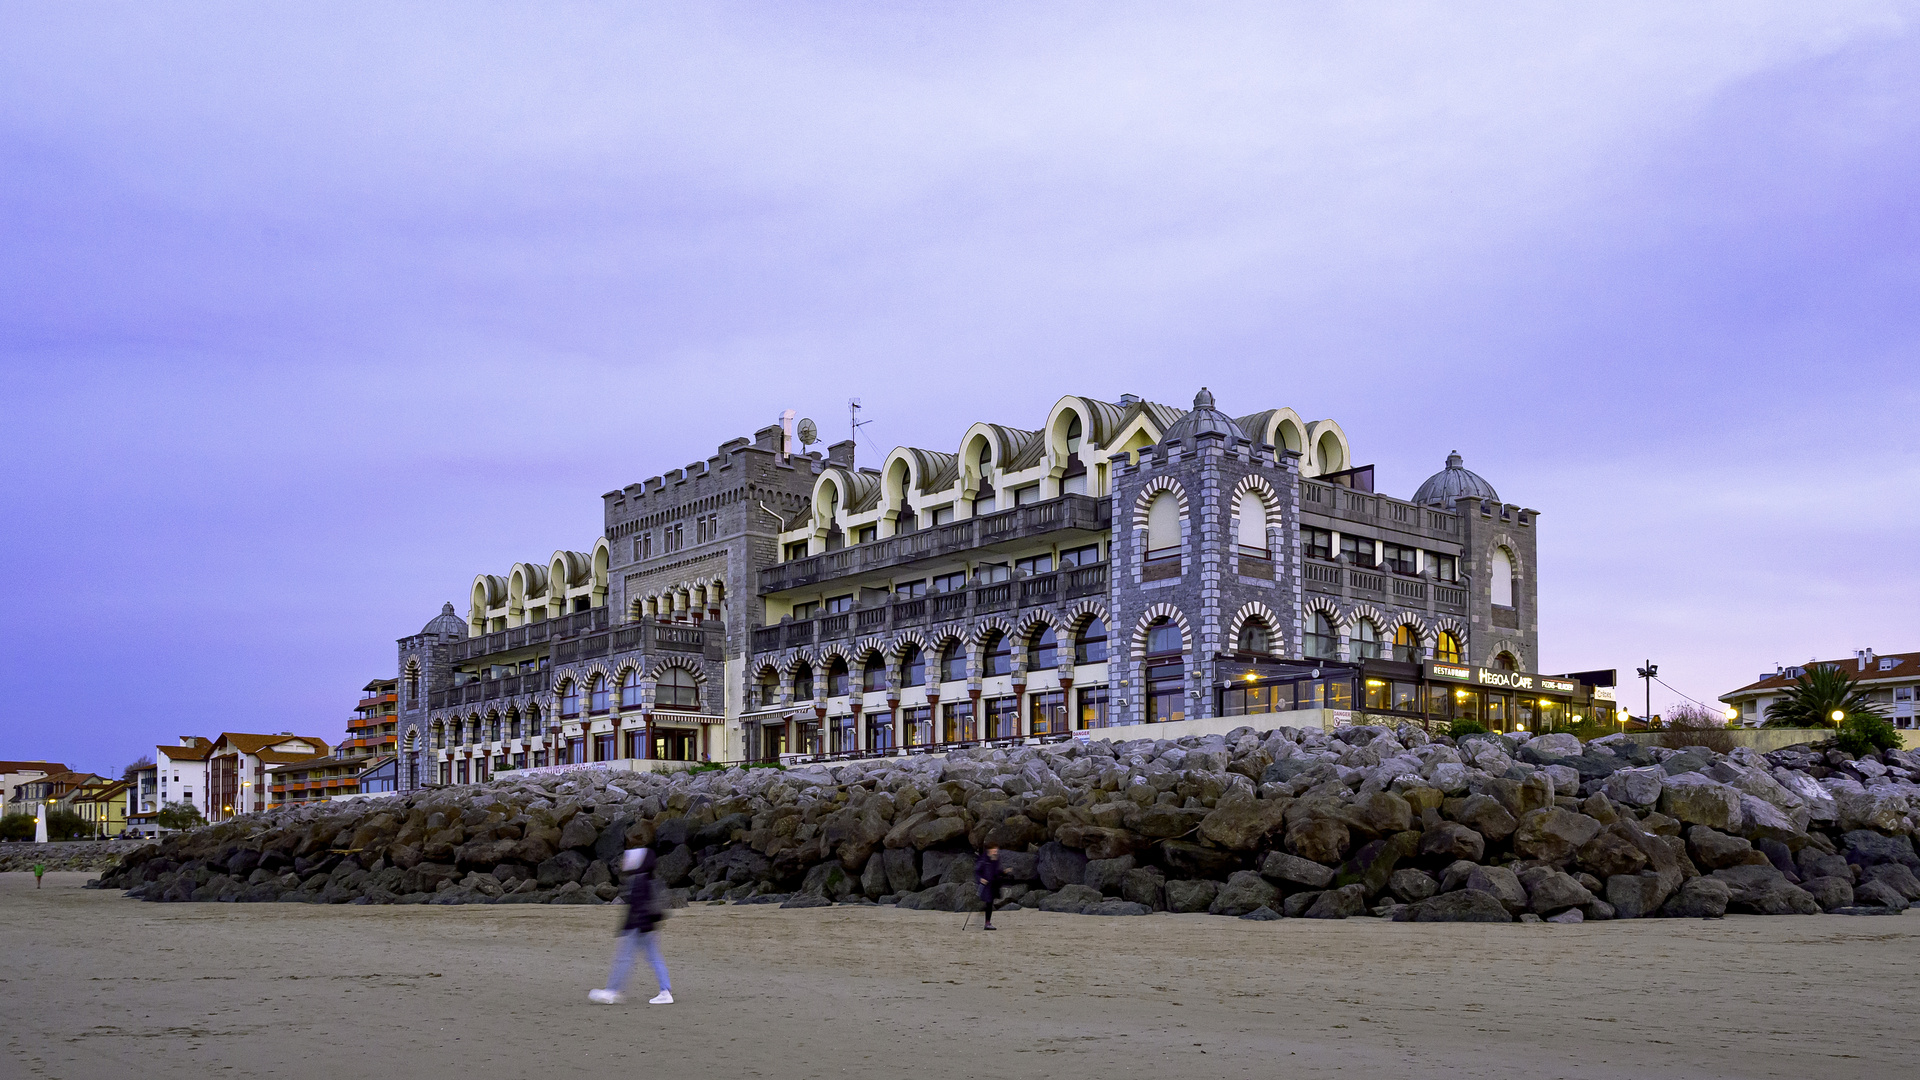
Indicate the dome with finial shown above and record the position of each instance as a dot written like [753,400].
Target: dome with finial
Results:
[1453,482]
[446,623]
[1203,420]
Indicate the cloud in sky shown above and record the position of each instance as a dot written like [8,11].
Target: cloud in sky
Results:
[311,314]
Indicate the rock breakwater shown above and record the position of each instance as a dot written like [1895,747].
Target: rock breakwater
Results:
[1257,825]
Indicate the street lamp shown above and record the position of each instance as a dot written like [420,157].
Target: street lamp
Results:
[1648,674]
[1839,715]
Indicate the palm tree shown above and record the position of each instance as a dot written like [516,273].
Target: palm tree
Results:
[1819,692]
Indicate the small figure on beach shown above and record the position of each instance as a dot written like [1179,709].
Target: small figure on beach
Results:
[986,874]
[645,910]
[38,869]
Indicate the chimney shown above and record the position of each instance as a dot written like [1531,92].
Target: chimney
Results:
[1860,656]
[1129,399]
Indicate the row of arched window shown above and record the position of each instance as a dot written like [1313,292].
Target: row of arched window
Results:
[1043,649]
[1323,642]
[675,688]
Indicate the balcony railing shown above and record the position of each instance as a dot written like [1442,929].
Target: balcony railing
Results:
[1083,512]
[1068,584]
[629,637]
[519,637]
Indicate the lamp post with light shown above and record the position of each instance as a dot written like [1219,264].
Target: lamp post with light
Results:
[1648,674]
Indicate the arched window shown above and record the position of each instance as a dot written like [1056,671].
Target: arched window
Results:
[493,728]
[1406,644]
[630,690]
[1073,433]
[1253,525]
[439,736]
[1090,646]
[1163,525]
[914,663]
[1328,454]
[473,730]
[597,697]
[953,663]
[676,688]
[533,720]
[837,680]
[1074,480]
[1166,673]
[1322,641]
[1506,662]
[1366,640]
[1045,652]
[873,676]
[1500,578]
[998,653]
[1447,649]
[1255,637]
[769,689]
[569,698]
[513,725]
[803,683]
[413,686]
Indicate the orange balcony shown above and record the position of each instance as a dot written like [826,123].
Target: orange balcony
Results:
[377,700]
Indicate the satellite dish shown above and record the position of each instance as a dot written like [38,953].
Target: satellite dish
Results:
[809,432]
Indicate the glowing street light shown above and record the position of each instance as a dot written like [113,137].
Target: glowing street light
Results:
[1839,715]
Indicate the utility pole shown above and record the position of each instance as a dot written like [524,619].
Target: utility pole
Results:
[1648,674]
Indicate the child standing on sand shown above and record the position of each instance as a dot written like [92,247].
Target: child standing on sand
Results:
[38,869]
[645,910]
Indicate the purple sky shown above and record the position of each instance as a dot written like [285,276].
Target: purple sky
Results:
[310,315]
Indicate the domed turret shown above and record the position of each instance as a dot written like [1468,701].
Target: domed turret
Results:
[446,623]
[1452,482]
[1204,419]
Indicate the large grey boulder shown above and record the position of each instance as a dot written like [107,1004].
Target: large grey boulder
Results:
[1694,799]
[1482,814]
[1342,903]
[1059,865]
[1553,835]
[1894,876]
[1241,822]
[1145,885]
[1715,850]
[902,869]
[1879,894]
[1190,896]
[1243,892]
[1829,892]
[1762,890]
[562,869]
[1636,896]
[1500,883]
[1105,875]
[1610,854]
[1466,905]
[1864,847]
[1635,786]
[1553,892]
[1072,899]
[1450,840]
[1412,886]
[1294,870]
[1698,898]
[1874,808]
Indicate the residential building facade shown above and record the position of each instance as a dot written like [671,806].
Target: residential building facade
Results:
[1121,563]
[182,770]
[15,773]
[1891,681]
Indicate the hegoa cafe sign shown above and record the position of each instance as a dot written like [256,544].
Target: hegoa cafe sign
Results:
[1524,681]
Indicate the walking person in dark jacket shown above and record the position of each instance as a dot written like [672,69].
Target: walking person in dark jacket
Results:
[986,874]
[644,913]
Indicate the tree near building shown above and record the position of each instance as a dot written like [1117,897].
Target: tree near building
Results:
[16,827]
[142,762]
[179,816]
[1819,692]
[67,825]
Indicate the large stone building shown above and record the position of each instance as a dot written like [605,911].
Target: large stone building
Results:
[1124,562]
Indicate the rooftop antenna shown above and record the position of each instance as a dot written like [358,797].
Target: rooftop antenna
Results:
[854,423]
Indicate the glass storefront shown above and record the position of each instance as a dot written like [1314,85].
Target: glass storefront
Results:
[1501,701]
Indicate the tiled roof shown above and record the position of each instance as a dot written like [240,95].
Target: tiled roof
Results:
[32,766]
[185,753]
[1905,666]
[248,743]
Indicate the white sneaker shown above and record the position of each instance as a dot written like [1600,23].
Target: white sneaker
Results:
[605,997]
[664,997]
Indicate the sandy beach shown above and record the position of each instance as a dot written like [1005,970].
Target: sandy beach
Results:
[97,986]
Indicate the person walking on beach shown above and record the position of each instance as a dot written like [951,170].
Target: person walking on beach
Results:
[38,869]
[986,874]
[645,909]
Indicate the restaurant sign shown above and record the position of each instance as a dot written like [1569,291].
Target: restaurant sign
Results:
[1475,675]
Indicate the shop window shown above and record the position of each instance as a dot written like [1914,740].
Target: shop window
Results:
[880,731]
[917,725]
[957,722]
[1003,717]
[1048,713]
[1166,679]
